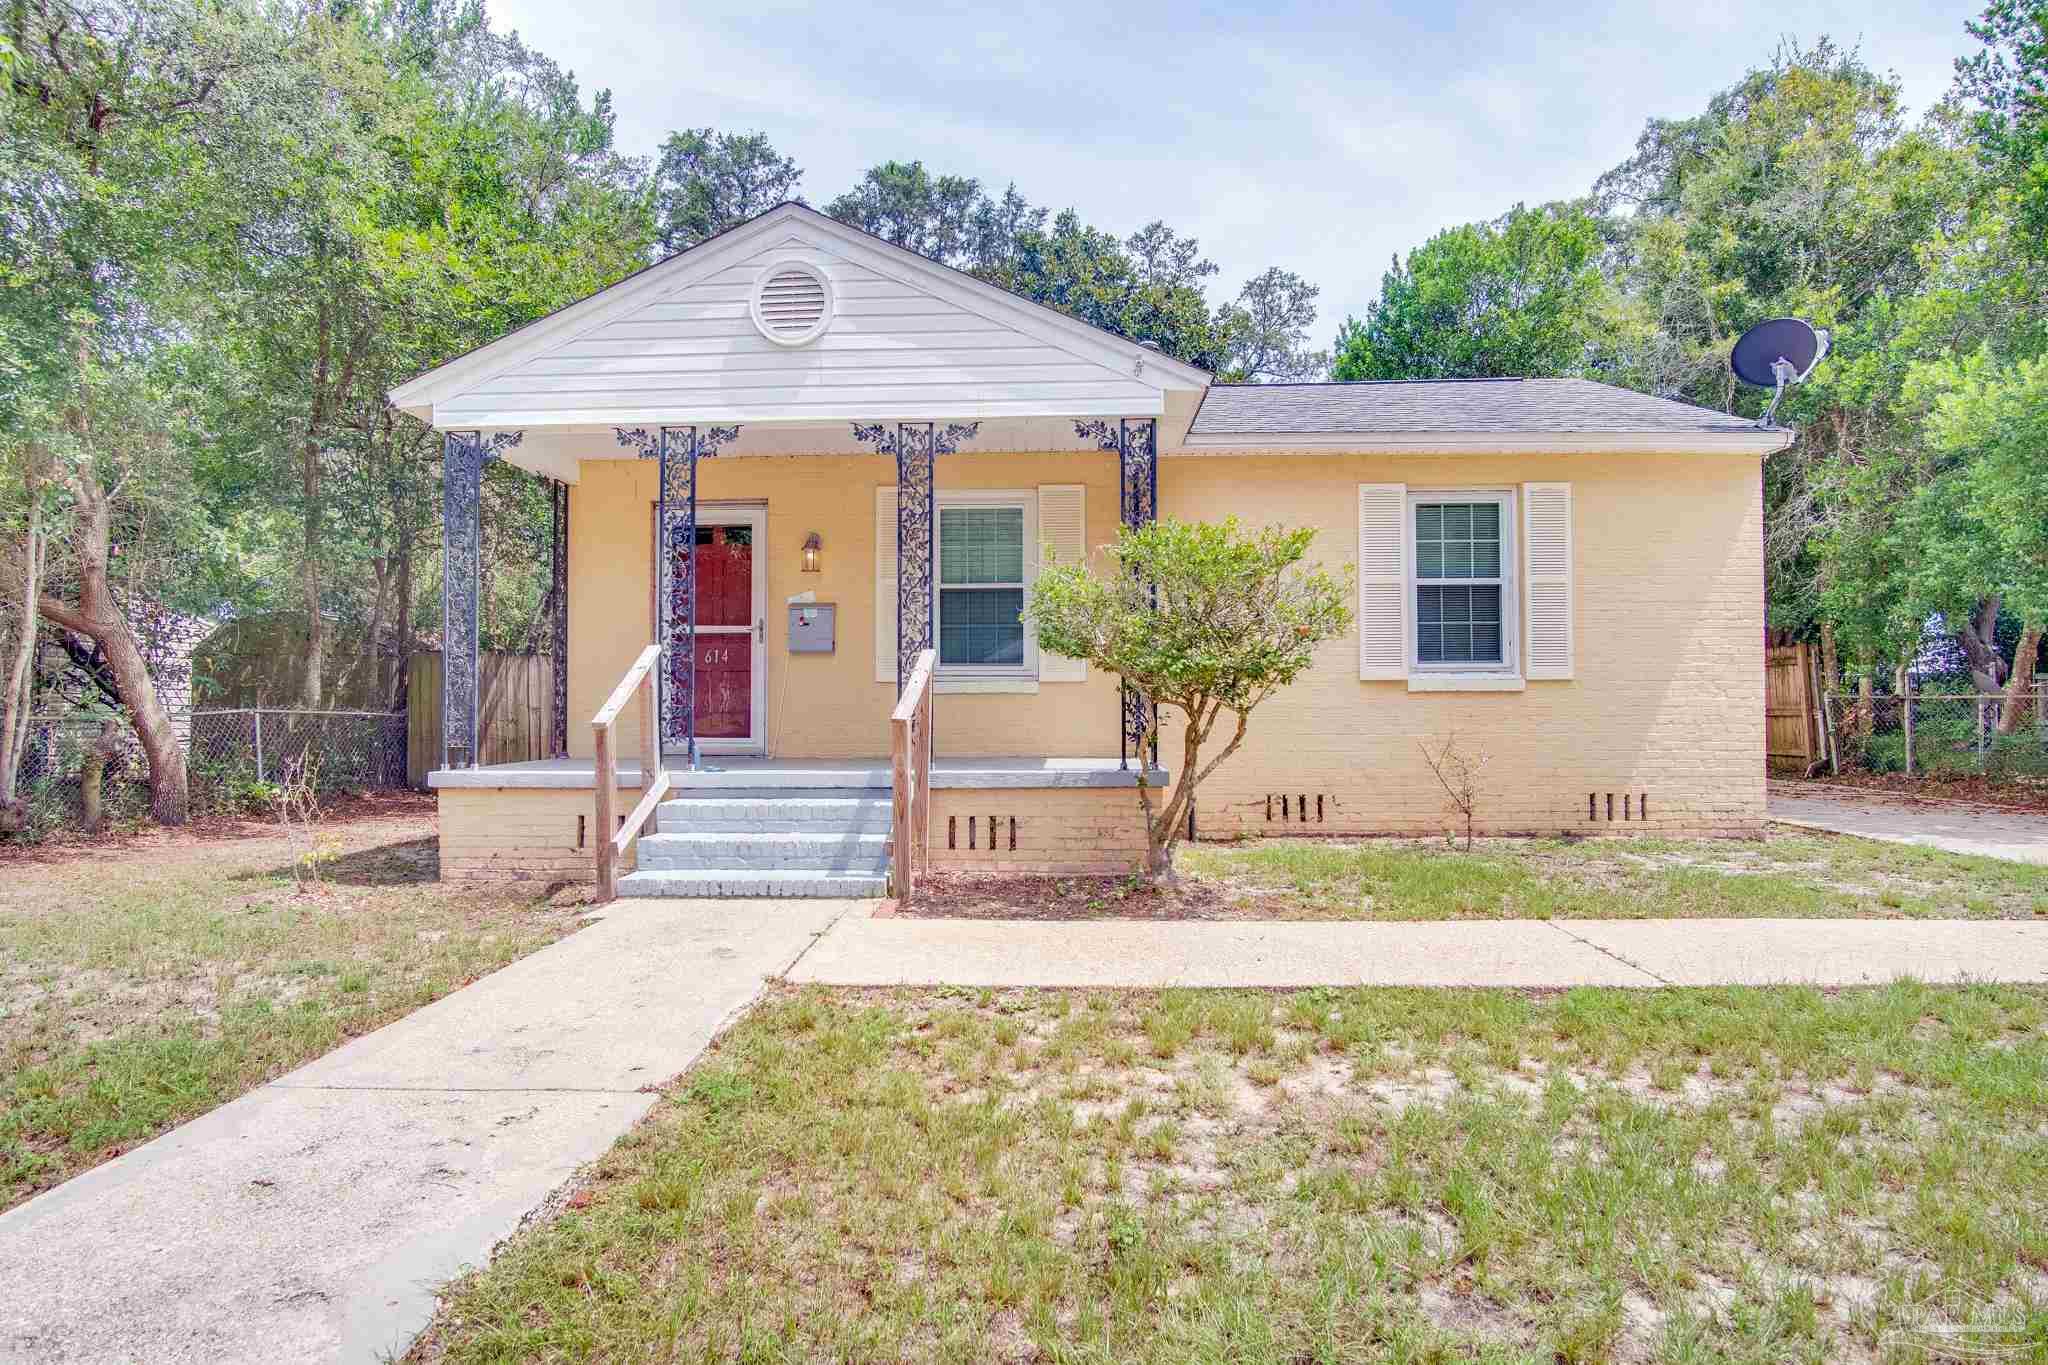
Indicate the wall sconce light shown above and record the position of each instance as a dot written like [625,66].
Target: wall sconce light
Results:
[813,547]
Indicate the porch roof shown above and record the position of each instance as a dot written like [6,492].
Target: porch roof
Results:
[705,337]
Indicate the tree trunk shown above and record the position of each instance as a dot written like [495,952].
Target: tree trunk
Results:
[19,697]
[1978,639]
[96,616]
[1866,703]
[401,621]
[2012,713]
[92,776]
[310,686]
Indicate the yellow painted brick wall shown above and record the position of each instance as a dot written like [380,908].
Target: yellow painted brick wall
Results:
[522,834]
[819,705]
[1668,601]
[1059,831]
[1668,629]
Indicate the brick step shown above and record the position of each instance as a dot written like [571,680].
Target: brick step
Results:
[822,812]
[837,850]
[734,884]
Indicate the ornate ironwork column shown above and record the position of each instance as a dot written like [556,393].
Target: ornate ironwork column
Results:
[558,586]
[1136,443]
[463,457]
[916,514]
[916,446]
[678,449]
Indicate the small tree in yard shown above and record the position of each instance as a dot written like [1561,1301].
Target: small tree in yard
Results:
[1202,619]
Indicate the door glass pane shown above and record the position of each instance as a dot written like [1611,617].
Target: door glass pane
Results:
[725,575]
[725,686]
[981,626]
[981,545]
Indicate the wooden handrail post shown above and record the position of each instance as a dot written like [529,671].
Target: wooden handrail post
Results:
[910,770]
[605,770]
[899,808]
[606,779]
[650,735]
[923,833]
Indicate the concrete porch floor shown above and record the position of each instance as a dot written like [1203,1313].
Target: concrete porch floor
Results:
[753,773]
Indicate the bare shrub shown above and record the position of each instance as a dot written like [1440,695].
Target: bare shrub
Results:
[1460,773]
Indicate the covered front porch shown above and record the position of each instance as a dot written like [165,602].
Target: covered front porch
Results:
[801,482]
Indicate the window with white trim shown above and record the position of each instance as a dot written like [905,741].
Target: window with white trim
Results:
[1462,582]
[984,568]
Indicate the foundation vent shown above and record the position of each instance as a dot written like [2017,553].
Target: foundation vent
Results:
[1622,807]
[982,833]
[1299,808]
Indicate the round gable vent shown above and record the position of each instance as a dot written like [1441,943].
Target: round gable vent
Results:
[792,303]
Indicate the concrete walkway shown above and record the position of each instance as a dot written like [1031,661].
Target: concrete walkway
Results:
[313,1219]
[1956,826]
[861,951]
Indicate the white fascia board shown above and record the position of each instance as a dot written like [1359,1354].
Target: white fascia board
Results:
[1759,442]
[954,411]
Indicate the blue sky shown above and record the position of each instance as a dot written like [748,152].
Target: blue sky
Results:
[1322,138]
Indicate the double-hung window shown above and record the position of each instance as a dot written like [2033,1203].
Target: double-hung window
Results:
[1462,558]
[983,567]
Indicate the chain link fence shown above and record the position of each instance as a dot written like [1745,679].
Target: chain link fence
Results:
[1940,734]
[234,760]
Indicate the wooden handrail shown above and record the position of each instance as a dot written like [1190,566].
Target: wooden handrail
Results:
[623,693]
[910,778]
[654,781]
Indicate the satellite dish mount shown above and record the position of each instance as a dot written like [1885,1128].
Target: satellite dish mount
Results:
[1775,355]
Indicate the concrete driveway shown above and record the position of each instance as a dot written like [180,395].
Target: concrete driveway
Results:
[1956,826]
[313,1219]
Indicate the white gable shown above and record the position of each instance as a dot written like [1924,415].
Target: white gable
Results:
[906,340]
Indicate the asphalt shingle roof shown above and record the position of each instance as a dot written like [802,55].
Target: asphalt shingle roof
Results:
[1449,406]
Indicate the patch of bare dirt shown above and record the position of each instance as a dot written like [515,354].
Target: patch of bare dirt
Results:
[958,895]
[206,832]
[2016,793]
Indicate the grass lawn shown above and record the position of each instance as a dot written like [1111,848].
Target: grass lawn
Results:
[1725,1175]
[1786,875]
[147,982]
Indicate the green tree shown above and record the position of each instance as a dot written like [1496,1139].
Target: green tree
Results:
[1522,296]
[114,116]
[1266,330]
[707,181]
[1203,619]
[1149,286]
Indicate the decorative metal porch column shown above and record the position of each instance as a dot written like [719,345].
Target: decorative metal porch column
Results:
[558,586]
[1136,443]
[678,449]
[916,446]
[463,457]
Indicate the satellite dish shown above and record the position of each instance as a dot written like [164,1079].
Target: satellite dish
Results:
[1775,354]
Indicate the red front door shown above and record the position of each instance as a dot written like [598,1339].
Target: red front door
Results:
[725,632]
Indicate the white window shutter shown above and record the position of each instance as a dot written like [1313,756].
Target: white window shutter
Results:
[885,585]
[1382,581]
[1547,579]
[1063,530]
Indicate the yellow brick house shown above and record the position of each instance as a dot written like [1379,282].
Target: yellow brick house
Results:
[803,480]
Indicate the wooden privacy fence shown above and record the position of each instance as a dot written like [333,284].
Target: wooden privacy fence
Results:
[1794,737]
[515,711]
